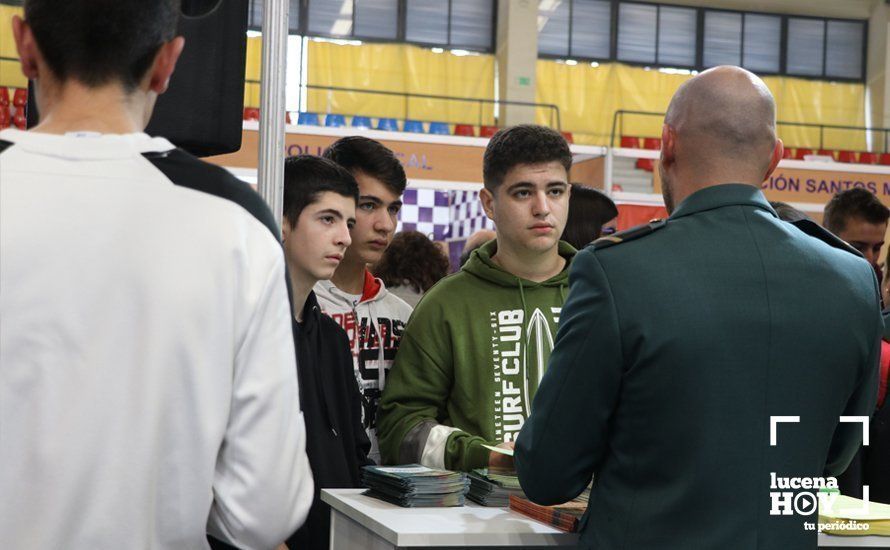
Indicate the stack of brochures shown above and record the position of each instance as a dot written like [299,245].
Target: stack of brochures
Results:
[415,486]
[845,515]
[493,489]
[564,517]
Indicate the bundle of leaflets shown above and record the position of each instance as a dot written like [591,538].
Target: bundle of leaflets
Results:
[845,515]
[564,517]
[415,486]
[493,489]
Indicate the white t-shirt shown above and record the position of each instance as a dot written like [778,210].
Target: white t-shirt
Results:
[148,393]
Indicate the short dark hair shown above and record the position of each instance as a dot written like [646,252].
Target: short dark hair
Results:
[365,155]
[589,209]
[101,41]
[788,213]
[522,144]
[853,203]
[414,259]
[306,177]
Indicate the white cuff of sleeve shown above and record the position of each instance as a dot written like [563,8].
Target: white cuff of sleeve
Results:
[434,451]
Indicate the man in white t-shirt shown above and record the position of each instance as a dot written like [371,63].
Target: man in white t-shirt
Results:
[148,395]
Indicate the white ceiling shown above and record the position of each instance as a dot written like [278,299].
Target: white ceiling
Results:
[848,9]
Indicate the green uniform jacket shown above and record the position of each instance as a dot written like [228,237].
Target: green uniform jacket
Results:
[674,350]
[469,363]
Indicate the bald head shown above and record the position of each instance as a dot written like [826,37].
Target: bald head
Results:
[725,114]
[720,128]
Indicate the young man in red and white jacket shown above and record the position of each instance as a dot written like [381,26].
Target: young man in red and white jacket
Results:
[372,317]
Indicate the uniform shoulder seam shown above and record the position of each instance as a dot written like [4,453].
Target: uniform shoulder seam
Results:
[628,234]
[816,231]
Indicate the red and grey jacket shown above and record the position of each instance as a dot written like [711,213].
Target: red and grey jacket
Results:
[374,323]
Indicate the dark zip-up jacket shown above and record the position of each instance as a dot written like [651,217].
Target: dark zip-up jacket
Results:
[336,442]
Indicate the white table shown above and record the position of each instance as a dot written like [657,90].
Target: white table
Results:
[362,522]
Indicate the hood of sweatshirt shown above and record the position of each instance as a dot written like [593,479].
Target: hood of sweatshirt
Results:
[373,290]
[481,265]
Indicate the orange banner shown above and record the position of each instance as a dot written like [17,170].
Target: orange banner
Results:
[815,186]
[630,215]
[450,162]
[427,161]
[818,186]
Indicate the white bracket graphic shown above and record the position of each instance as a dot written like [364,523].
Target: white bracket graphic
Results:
[862,420]
[773,420]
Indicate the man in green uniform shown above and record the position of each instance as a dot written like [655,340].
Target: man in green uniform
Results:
[665,385]
[478,342]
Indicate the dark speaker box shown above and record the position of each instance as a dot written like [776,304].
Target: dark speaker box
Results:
[201,111]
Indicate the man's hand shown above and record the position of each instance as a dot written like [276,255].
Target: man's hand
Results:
[498,462]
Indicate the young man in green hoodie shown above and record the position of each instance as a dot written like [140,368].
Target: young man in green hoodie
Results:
[478,342]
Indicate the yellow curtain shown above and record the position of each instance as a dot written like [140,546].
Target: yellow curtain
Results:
[10,71]
[589,96]
[400,68]
[819,102]
[252,66]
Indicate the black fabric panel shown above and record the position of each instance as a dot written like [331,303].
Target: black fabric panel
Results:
[185,170]
[216,544]
[4,145]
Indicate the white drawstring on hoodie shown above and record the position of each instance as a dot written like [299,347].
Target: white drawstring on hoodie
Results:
[381,372]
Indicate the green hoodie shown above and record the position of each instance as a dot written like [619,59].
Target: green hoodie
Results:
[469,363]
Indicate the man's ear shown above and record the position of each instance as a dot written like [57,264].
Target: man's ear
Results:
[487,199]
[164,64]
[778,153]
[286,229]
[668,146]
[26,47]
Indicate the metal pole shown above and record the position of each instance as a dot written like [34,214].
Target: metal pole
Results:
[270,182]
[303,44]
[608,168]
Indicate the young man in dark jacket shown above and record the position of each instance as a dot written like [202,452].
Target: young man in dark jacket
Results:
[319,209]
